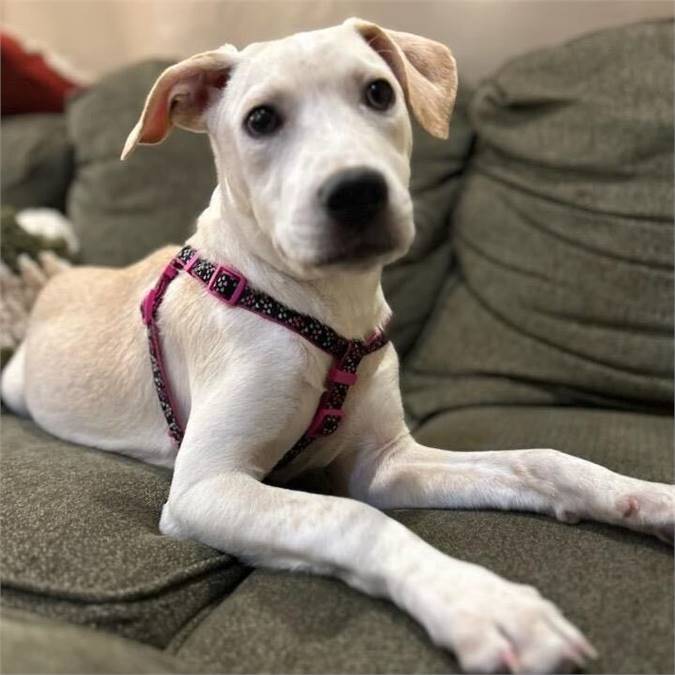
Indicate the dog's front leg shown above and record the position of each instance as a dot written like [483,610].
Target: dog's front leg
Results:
[490,623]
[408,474]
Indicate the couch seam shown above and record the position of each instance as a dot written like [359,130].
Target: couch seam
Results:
[184,633]
[127,595]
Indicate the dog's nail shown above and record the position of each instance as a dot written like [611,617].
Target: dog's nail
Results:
[588,649]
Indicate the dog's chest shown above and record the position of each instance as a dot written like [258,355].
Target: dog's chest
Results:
[261,379]
[360,418]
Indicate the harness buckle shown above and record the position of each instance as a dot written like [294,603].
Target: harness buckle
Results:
[231,272]
[320,426]
[171,271]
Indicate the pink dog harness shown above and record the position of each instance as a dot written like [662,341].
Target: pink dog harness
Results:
[230,287]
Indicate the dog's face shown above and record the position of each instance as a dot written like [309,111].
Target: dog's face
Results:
[312,137]
[315,135]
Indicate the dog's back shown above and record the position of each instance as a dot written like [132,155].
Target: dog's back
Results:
[85,344]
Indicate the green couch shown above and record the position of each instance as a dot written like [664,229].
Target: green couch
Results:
[535,309]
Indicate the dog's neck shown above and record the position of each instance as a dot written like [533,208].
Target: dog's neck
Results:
[352,303]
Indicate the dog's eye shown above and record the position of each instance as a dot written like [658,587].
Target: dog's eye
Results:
[379,95]
[262,121]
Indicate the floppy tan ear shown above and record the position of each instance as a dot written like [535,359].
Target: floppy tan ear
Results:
[425,69]
[180,97]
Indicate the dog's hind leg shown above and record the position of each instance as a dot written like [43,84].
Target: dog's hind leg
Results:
[409,475]
[13,382]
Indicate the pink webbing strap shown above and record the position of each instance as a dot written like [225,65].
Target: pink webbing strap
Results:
[149,308]
[231,287]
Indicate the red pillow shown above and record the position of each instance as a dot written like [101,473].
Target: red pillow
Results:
[29,84]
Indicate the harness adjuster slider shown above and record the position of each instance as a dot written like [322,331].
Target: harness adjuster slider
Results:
[341,376]
[320,426]
[171,271]
[229,271]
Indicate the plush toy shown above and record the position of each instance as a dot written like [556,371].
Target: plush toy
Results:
[34,80]
[35,245]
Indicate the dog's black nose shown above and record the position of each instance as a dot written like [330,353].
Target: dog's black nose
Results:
[354,196]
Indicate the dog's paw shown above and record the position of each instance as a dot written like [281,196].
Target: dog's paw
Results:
[493,625]
[649,508]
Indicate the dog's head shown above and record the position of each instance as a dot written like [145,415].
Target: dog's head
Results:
[312,136]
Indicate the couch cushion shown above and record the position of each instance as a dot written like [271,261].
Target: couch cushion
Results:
[32,644]
[563,235]
[123,210]
[37,161]
[81,544]
[615,585]
[411,284]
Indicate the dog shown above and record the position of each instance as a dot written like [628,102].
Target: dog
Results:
[312,138]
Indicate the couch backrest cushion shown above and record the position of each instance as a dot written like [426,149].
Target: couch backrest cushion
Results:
[123,210]
[37,161]
[411,284]
[564,235]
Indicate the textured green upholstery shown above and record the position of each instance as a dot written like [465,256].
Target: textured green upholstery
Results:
[123,210]
[81,543]
[564,235]
[33,644]
[412,283]
[37,161]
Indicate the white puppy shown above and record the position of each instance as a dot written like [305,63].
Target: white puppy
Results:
[312,140]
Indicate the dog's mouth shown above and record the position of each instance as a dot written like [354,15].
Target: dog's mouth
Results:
[356,256]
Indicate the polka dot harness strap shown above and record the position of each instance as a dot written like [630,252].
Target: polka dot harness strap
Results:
[231,287]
